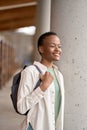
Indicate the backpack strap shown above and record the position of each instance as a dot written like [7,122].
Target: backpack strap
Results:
[38,68]
[39,81]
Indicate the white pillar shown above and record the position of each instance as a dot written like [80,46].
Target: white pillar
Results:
[43,21]
[69,20]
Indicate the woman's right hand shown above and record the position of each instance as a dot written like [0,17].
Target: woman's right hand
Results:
[46,79]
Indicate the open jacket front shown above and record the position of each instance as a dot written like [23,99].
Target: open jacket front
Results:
[41,104]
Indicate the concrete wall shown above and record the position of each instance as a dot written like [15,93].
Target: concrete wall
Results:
[69,20]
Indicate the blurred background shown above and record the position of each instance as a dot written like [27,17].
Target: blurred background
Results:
[21,23]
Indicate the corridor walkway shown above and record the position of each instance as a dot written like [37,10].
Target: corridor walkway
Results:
[9,119]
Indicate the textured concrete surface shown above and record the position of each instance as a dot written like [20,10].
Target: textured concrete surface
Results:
[69,20]
[9,120]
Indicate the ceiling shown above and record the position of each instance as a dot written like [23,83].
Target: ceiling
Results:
[17,13]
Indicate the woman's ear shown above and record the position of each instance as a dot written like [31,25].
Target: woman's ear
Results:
[40,49]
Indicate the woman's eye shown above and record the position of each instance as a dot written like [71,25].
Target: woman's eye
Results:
[55,46]
[52,46]
[59,46]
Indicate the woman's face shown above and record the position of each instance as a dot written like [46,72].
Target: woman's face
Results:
[51,48]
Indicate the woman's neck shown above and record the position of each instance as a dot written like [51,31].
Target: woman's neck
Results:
[47,63]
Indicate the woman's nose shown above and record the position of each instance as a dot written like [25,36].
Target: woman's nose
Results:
[58,49]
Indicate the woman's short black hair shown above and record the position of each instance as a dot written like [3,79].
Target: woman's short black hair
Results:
[43,36]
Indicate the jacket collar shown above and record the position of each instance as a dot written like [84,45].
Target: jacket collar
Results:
[43,67]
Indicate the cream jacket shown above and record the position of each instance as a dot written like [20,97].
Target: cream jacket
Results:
[41,104]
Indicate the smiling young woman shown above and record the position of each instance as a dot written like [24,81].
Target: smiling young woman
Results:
[50,50]
[46,102]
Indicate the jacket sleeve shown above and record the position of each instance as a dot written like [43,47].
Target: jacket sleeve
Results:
[27,97]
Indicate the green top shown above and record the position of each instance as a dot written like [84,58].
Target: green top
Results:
[57,93]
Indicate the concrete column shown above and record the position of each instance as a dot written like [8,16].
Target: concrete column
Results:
[43,21]
[69,20]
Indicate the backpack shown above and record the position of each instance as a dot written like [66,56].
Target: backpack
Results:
[15,86]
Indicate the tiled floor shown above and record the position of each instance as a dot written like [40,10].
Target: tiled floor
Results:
[9,119]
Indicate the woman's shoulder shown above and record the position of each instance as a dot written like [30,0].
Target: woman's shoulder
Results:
[30,69]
